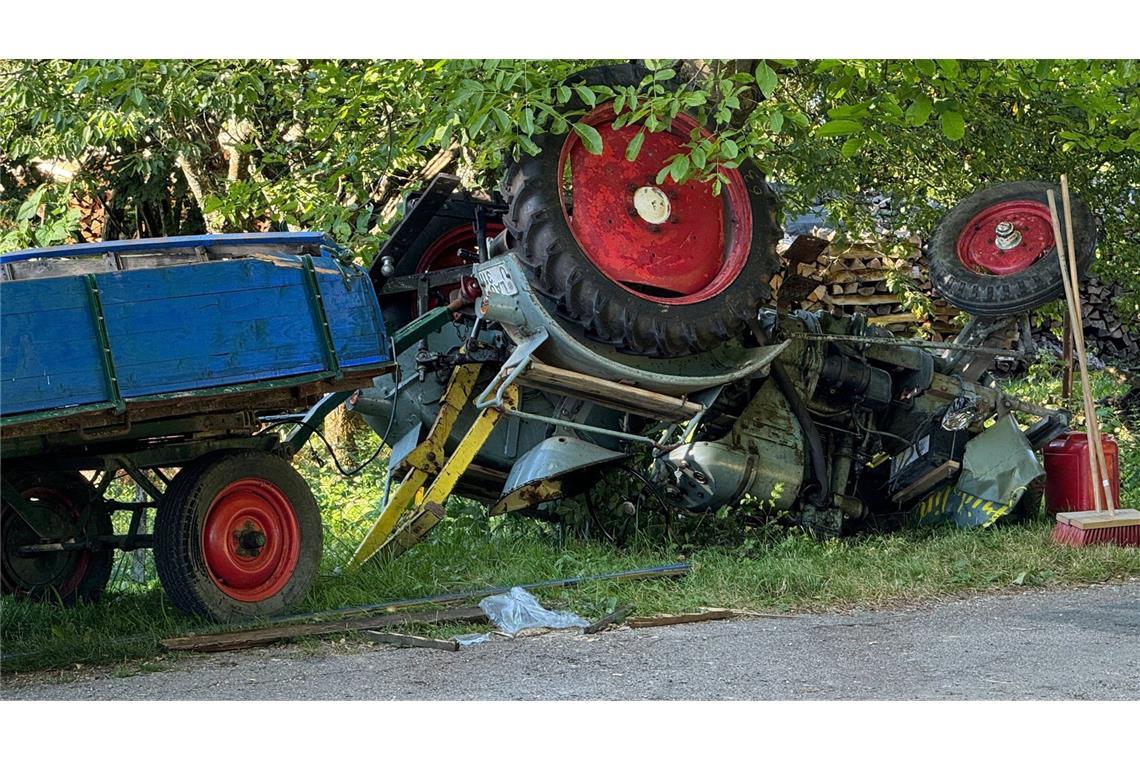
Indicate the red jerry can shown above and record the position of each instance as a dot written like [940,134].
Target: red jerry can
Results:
[1068,482]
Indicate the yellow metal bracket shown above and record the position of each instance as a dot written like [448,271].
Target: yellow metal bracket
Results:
[428,459]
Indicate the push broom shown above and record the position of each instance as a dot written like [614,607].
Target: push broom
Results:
[1102,525]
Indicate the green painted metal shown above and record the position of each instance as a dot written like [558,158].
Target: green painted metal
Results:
[421,326]
[105,355]
[18,419]
[327,345]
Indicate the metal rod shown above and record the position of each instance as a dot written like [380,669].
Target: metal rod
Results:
[582,426]
[927,344]
[665,571]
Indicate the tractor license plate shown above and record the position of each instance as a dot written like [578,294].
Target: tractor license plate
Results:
[496,279]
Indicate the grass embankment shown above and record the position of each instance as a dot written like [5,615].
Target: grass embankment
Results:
[780,571]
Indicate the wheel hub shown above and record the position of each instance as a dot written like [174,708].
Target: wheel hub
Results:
[250,540]
[1006,238]
[651,204]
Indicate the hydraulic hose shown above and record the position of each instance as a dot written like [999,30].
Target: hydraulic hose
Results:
[815,444]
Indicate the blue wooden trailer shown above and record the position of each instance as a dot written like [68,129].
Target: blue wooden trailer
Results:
[162,359]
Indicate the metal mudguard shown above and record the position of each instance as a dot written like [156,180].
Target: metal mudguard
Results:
[539,475]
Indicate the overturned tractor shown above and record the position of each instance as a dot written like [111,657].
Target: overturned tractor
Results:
[592,319]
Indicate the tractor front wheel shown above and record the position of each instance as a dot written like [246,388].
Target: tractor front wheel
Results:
[994,254]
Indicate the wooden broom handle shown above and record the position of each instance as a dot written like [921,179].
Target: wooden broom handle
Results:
[1075,277]
[1078,344]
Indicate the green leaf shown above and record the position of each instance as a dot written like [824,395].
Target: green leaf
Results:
[729,149]
[919,111]
[926,67]
[766,79]
[586,94]
[839,127]
[503,120]
[590,138]
[663,75]
[949,68]
[528,121]
[851,146]
[953,125]
[563,93]
[776,121]
[679,167]
[477,124]
[634,146]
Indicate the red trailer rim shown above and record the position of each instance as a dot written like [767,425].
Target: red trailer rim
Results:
[1006,238]
[251,540]
[668,243]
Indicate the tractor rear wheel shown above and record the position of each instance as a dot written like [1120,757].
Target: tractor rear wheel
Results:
[64,499]
[237,535]
[994,254]
[654,269]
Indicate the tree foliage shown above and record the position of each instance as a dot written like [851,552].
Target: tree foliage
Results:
[179,146]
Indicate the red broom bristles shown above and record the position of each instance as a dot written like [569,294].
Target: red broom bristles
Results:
[1121,535]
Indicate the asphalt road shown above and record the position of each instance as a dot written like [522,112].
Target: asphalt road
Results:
[1075,644]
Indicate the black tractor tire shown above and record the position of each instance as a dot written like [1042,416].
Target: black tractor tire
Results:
[68,577]
[179,551]
[576,290]
[989,295]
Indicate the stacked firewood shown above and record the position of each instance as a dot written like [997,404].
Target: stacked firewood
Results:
[891,287]
[1108,334]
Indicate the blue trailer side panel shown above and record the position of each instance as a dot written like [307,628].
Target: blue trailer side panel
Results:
[49,352]
[183,328]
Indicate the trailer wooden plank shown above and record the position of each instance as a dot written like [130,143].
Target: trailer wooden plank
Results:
[220,642]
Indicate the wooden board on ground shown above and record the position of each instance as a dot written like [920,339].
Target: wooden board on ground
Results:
[690,617]
[407,640]
[615,617]
[221,642]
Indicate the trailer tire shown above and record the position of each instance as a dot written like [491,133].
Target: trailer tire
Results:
[238,535]
[66,577]
[974,274]
[658,270]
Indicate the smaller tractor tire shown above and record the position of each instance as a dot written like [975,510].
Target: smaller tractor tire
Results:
[67,577]
[994,254]
[238,535]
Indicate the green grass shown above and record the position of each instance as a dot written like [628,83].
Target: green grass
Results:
[769,570]
[792,573]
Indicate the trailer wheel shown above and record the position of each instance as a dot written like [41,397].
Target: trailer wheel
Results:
[994,255]
[654,269]
[237,535]
[65,576]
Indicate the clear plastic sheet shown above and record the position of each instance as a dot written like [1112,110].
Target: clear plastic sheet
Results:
[517,610]
[470,639]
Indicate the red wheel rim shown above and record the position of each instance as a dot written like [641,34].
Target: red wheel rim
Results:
[673,244]
[987,247]
[250,540]
[443,253]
